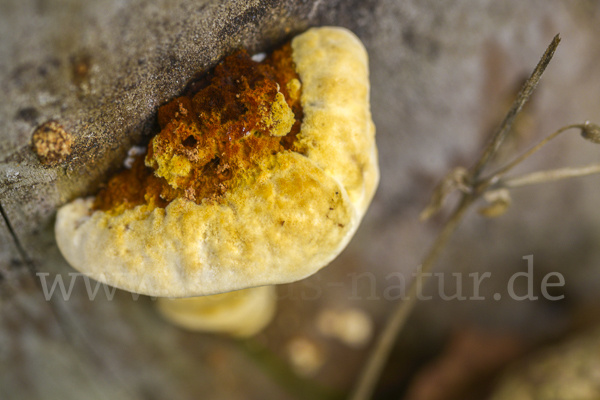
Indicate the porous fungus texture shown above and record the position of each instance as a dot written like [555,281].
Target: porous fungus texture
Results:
[52,143]
[225,199]
[220,135]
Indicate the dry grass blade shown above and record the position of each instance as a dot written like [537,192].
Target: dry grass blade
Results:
[380,352]
[524,95]
[549,176]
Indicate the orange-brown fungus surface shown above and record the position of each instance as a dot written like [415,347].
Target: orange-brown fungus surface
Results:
[231,122]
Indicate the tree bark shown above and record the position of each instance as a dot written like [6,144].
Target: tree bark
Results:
[442,73]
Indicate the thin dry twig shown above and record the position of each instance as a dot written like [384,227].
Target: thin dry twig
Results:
[380,353]
[398,318]
[517,106]
[549,176]
[496,175]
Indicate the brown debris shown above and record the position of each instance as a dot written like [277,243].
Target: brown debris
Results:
[470,359]
[80,68]
[52,143]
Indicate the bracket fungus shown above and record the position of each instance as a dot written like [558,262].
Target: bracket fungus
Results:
[259,176]
[240,313]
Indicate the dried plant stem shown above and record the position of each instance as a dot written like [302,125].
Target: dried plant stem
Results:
[516,107]
[549,176]
[496,175]
[403,309]
[380,353]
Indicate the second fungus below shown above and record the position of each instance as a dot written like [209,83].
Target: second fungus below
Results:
[259,176]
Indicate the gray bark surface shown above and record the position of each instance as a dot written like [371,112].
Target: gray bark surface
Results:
[442,72]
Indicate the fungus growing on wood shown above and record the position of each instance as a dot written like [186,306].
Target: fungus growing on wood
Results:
[259,176]
[241,313]
[52,143]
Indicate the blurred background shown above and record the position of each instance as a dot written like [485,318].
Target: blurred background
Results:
[443,74]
